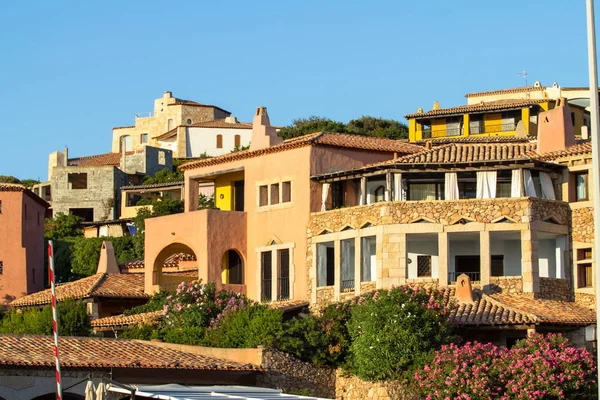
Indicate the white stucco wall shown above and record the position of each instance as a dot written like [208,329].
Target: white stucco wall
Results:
[200,140]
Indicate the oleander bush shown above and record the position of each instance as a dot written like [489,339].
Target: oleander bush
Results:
[539,367]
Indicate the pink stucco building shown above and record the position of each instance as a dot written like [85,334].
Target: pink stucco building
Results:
[256,242]
[21,242]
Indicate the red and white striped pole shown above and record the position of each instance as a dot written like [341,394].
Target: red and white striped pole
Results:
[54,317]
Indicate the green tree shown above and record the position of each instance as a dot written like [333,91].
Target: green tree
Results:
[305,126]
[164,176]
[85,253]
[239,148]
[9,179]
[73,320]
[206,202]
[62,226]
[378,127]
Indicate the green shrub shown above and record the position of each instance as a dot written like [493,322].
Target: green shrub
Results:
[156,303]
[322,340]
[73,320]
[397,332]
[247,327]
[191,335]
[140,332]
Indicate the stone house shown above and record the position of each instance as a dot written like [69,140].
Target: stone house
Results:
[255,243]
[90,187]
[21,242]
[187,128]
[499,212]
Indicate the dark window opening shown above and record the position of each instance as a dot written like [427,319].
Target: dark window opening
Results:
[283,281]
[425,191]
[77,181]
[238,187]
[1,267]
[469,265]
[235,265]
[263,195]
[86,214]
[585,275]
[503,183]
[286,192]
[266,275]
[424,266]
[497,265]
[337,195]
[380,194]
[275,193]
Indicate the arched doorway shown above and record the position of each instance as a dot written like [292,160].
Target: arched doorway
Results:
[175,263]
[232,268]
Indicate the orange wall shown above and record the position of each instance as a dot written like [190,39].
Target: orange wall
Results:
[21,246]
[285,223]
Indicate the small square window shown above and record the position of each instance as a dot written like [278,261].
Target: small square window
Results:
[275,193]
[144,138]
[77,181]
[1,267]
[581,192]
[286,192]
[424,266]
[263,196]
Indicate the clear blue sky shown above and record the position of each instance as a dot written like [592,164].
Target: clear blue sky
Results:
[70,71]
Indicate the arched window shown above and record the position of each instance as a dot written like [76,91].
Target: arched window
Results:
[233,268]
[170,124]
[379,193]
[125,141]
[219,141]
[237,140]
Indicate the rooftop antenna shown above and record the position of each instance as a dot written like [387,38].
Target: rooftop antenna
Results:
[524,75]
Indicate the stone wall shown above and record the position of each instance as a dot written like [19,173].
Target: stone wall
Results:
[282,371]
[583,225]
[353,388]
[521,210]
[506,284]
[324,296]
[586,299]
[555,289]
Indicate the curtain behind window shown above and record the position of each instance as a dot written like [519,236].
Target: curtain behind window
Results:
[516,183]
[486,184]
[529,184]
[321,265]
[451,186]
[547,187]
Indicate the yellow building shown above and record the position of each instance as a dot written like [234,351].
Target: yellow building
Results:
[506,117]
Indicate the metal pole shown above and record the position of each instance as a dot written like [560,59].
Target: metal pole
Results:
[595,128]
[54,318]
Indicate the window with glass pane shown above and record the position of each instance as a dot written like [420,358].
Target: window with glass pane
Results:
[267,275]
[503,183]
[283,280]
[347,260]
[263,195]
[379,194]
[275,193]
[582,186]
[422,191]
[367,259]
[286,192]
[424,266]
[325,264]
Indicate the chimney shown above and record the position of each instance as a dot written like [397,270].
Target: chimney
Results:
[555,130]
[66,157]
[464,291]
[263,134]
[585,133]
[108,261]
[436,105]
[168,95]
[231,120]
[428,145]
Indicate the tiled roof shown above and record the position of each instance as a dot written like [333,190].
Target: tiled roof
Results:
[98,160]
[101,353]
[171,261]
[222,123]
[16,187]
[121,286]
[153,186]
[124,127]
[319,138]
[498,309]
[168,134]
[576,150]
[148,318]
[522,89]
[470,152]
[181,102]
[475,139]
[497,105]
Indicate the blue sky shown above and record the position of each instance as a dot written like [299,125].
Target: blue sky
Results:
[70,71]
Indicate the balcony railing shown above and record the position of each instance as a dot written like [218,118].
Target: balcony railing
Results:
[267,290]
[284,288]
[474,129]
[347,285]
[473,276]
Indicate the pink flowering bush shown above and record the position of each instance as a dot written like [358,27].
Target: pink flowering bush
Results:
[198,305]
[539,367]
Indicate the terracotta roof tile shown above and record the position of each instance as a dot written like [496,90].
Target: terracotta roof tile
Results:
[101,353]
[122,286]
[319,138]
[168,134]
[153,186]
[481,107]
[15,187]
[222,123]
[576,150]
[550,311]
[124,127]
[470,152]
[523,89]
[98,160]
[171,261]
[148,318]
